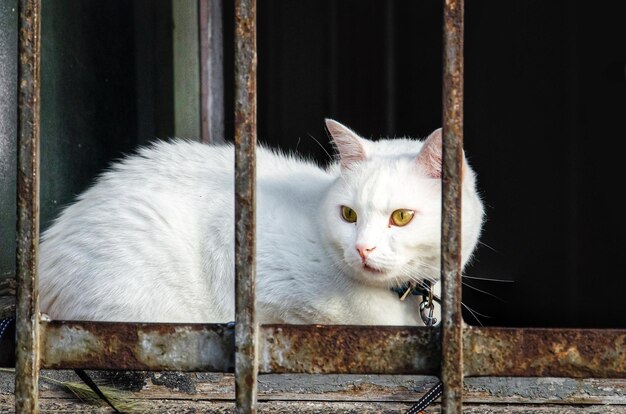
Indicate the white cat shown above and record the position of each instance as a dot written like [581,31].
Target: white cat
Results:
[153,239]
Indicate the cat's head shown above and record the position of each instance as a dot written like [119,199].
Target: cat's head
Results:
[382,216]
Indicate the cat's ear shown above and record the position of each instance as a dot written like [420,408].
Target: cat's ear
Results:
[350,146]
[429,157]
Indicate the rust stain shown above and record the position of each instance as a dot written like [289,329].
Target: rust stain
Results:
[349,349]
[584,353]
[146,347]
[574,353]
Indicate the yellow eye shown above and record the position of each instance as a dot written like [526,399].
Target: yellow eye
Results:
[348,214]
[402,217]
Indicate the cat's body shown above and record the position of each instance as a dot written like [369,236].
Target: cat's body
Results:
[153,239]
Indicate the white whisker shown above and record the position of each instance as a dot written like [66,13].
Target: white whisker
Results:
[482,291]
[321,146]
[488,279]
[487,246]
[474,313]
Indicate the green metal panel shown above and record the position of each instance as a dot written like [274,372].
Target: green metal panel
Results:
[8,134]
[106,86]
[186,69]
[87,97]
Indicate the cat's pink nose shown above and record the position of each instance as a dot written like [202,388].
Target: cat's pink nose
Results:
[364,251]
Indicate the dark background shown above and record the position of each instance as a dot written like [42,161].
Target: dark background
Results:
[544,120]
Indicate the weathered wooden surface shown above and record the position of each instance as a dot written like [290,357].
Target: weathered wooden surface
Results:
[214,393]
[50,406]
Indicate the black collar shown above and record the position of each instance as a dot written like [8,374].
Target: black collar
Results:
[421,289]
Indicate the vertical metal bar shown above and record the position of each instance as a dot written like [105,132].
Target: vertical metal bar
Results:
[27,348]
[246,331]
[211,71]
[452,321]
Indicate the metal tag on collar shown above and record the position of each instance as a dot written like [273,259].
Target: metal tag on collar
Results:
[427,306]
[427,309]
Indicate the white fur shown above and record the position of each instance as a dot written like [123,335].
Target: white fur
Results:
[153,239]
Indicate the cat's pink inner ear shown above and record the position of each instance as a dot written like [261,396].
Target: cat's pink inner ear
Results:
[350,146]
[429,157]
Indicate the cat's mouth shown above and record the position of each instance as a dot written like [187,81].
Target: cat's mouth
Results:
[371,269]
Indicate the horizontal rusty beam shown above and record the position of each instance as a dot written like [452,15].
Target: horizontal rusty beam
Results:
[210,348]
[140,347]
[342,349]
[573,353]
[523,352]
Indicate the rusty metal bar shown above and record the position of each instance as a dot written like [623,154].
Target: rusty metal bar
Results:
[142,347]
[452,320]
[211,71]
[525,352]
[27,311]
[246,329]
[209,348]
[325,349]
